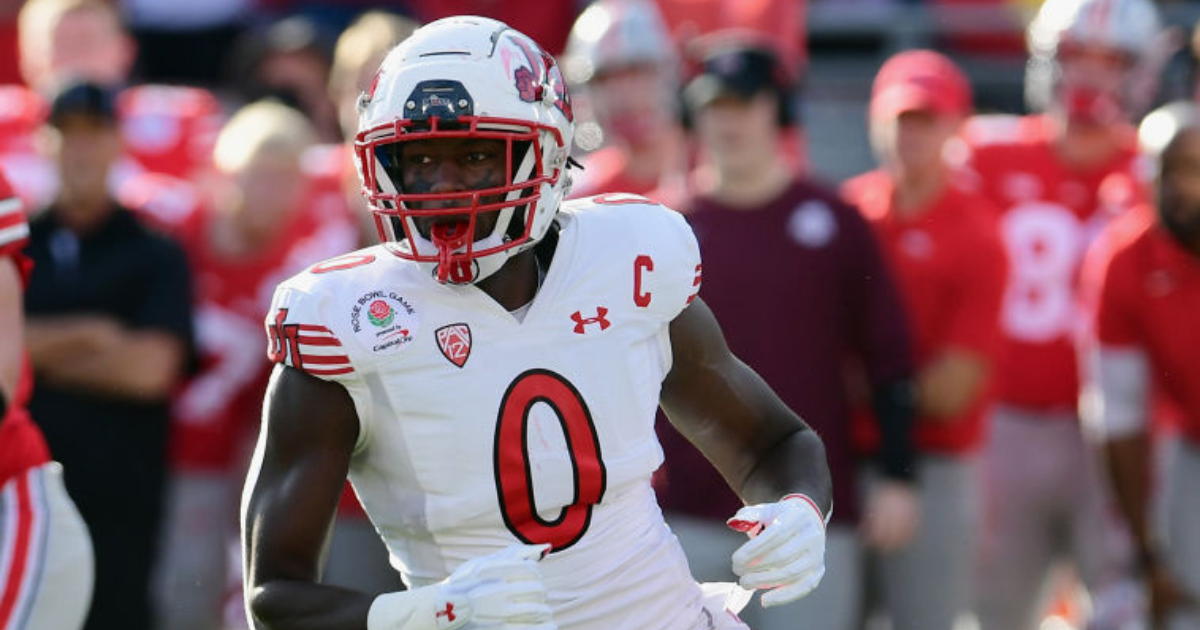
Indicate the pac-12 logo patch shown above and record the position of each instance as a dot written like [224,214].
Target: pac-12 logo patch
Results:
[455,343]
[384,321]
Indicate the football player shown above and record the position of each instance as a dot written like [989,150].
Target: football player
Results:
[488,379]
[1145,279]
[1057,178]
[621,61]
[46,566]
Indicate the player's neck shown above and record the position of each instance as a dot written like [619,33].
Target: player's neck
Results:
[82,214]
[916,189]
[516,283]
[1083,146]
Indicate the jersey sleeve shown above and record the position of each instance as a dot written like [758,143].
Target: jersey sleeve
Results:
[667,267]
[298,337]
[14,230]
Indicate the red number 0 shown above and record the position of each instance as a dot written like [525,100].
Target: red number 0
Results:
[514,483]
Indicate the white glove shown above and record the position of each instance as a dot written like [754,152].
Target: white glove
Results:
[499,591]
[786,551]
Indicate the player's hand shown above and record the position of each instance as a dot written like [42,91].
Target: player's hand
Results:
[891,516]
[500,591]
[786,551]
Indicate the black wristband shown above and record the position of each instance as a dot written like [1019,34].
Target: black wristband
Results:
[895,410]
[3,405]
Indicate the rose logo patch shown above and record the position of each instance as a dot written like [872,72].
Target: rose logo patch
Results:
[383,321]
[381,314]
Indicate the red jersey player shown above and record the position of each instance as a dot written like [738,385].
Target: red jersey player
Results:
[940,241]
[45,551]
[1058,178]
[1145,278]
[621,59]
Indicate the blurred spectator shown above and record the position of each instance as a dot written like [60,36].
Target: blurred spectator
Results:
[547,22]
[1145,277]
[626,73]
[779,23]
[109,334]
[356,58]
[1058,177]
[164,129]
[290,60]
[799,285]
[263,228]
[185,41]
[940,239]
[48,565]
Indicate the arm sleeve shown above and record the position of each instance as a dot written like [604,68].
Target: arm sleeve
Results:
[1116,369]
[14,229]
[675,280]
[883,345]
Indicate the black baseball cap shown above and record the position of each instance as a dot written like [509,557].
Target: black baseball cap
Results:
[83,99]
[741,71]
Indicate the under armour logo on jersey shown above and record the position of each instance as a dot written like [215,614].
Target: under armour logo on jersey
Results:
[448,613]
[582,322]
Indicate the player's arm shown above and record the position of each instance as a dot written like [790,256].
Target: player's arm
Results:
[762,448]
[101,355]
[299,467]
[10,332]
[309,430]
[767,454]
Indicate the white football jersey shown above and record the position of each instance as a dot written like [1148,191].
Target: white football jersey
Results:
[479,430]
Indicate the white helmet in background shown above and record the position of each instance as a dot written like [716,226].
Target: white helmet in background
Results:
[617,33]
[1130,29]
[466,77]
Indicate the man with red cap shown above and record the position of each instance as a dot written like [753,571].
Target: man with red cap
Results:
[940,241]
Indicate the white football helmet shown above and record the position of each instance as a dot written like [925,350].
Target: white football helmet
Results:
[1129,28]
[466,77]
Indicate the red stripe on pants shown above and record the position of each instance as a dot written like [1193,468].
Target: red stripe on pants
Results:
[14,573]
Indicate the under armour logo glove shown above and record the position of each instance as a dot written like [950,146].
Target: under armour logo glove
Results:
[786,552]
[499,591]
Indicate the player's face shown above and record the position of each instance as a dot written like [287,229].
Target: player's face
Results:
[1179,186]
[631,103]
[915,140]
[454,165]
[1090,88]
[739,134]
